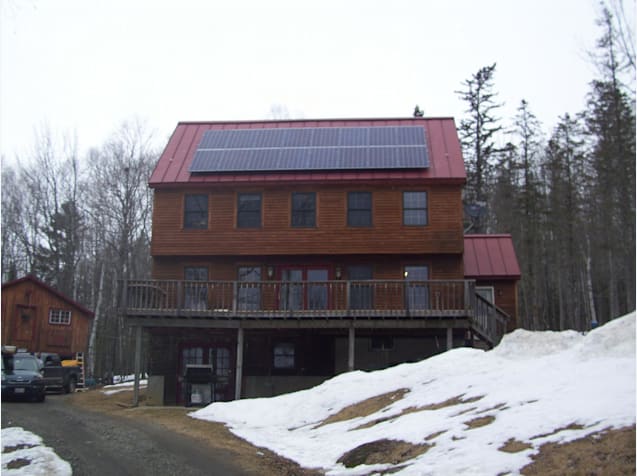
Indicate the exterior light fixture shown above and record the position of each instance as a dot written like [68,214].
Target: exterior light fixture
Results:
[270,271]
[338,272]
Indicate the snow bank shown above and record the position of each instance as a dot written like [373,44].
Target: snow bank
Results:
[538,387]
[42,460]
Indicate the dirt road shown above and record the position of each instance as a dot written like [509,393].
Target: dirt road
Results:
[105,444]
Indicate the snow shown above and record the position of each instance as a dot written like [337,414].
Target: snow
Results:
[41,460]
[539,386]
[126,386]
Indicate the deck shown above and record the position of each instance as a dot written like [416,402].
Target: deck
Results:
[306,304]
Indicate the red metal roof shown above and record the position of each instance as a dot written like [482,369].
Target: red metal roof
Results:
[446,163]
[490,257]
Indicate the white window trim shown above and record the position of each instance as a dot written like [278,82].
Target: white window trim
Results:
[60,317]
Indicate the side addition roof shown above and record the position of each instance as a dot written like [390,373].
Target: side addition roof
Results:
[182,159]
[490,257]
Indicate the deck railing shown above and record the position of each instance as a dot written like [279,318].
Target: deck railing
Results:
[341,299]
[236,299]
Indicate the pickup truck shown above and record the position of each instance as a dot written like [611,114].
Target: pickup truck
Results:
[58,376]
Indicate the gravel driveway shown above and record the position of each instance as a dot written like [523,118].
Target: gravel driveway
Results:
[96,443]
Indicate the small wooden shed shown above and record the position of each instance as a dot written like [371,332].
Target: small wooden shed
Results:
[40,319]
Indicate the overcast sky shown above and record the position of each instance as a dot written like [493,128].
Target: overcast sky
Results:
[83,66]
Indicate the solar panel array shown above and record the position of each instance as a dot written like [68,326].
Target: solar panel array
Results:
[311,148]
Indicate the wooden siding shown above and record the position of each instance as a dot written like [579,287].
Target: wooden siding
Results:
[443,267]
[387,235]
[25,321]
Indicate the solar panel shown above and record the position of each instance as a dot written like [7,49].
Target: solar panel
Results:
[311,148]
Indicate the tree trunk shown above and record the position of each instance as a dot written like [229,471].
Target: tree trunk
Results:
[96,320]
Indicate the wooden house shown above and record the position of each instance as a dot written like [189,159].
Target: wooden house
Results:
[285,252]
[38,318]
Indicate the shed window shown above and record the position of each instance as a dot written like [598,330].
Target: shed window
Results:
[415,208]
[249,210]
[304,209]
[359,209]
[59,316]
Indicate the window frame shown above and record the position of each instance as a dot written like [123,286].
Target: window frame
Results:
[417,295]
[196,295]
[249,295]
[279,352]
[62,317]
[424,209]
[243,214]
[189,217]
[358,211]
[303,213]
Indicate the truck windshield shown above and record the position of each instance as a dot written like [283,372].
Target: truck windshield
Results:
[25,363]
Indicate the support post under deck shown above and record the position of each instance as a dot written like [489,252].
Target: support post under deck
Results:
[351,349]
[138,364]
[239,370]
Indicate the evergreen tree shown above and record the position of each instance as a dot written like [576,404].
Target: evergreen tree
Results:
[477,133]
[57,260]
[610,119]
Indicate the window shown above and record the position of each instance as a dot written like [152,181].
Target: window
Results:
[284,356]
[296,294]
[382,343]
[359,209]
[196,211]
[304,209]
[59,316]
[415,208]
[361,294]
[249,298]
[417,289]
[486,292]
[191,356]
[196,295]
[249,210]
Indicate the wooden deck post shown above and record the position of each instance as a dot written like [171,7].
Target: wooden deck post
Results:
[138,364]
[239,372]
[351,349]
[449,338]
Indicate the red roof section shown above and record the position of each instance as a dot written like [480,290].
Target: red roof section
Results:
[51,290]
[490,256]
[445,155]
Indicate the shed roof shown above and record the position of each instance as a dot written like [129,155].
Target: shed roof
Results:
[443,148]
[43,285]
[490,257]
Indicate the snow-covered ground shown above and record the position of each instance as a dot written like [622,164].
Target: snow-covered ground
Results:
[23,451]
[538,387]
[126,386]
